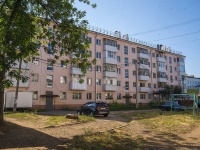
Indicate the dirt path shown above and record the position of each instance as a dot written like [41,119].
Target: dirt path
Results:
[34,136]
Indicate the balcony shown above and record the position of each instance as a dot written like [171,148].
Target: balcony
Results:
[143,66]
[110,48]
[144,89]
[161,69]
[109,87]
[142,55]
[161,79]
[161,59]
[110,74]
[108,60]
[78,86]
[181,64]
[76,71]
[143,77]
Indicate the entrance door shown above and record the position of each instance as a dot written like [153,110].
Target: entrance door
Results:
[49,100]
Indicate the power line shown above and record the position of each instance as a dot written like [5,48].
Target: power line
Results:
[175,36]
[186,42]
[168,27]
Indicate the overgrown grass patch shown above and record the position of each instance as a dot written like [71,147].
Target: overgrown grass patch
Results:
[108,140]
[170,122]
[45,120]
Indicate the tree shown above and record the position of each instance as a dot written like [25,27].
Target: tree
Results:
[177,89]
[167,91]
[25,26]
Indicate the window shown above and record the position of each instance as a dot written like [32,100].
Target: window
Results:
[118,71]
[63,95]
[134,96]
[142,84]
[35,95]
[89,39]
[63,65]
[49,80]
[154,65]
[76,96]
[126,85]
[153,55]
[50,49]
[134,84]
[134,61]
[119,96]
[126,73]
[133,50]
[134,73]
[89,81]
[154,75]
[149,85]
[176,78]
[98,42]
[171,78]
[174,59]
[63,79]
[34,77]
[118,58]
[149,96]
[142,96]
[170,69]
[89,96]
[49,65]
[98,81]
[98,55]
[90,53]
[109,96]
[154,86]
[118,83]
[165,57]
[170,60]
[166,67]
[35,61]
[126,50]
[98,96]
[174,68]
[98,68]
[118,46]
[126,61]
[111,54]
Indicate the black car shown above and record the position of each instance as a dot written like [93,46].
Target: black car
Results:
[94,108]
[174,105]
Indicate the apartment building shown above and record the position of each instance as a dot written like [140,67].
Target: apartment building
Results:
[127,70]
[191,82]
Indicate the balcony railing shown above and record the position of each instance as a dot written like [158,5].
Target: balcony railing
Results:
[110,48]
[161,59]
[78,86]
[109,87]
[144,89]
[143,55]
[110,74]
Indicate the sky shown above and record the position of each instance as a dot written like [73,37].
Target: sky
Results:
[173,23]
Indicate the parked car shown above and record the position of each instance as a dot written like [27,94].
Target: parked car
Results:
[166,106]
[93,109]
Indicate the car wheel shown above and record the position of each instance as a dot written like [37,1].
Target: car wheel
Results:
[106,115]
[79,113]
[91,114]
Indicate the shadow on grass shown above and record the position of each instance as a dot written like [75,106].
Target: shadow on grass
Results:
[15,136]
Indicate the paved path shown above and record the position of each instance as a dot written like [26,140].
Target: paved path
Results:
[65,112]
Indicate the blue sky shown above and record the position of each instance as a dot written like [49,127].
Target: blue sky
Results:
[134,17]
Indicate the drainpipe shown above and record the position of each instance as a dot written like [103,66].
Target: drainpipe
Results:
[95,71]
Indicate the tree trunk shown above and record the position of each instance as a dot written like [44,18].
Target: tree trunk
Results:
[2,77]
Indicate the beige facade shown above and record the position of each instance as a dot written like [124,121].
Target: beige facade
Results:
[126,70]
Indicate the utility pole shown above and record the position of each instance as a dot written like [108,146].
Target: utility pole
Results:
[17,86]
